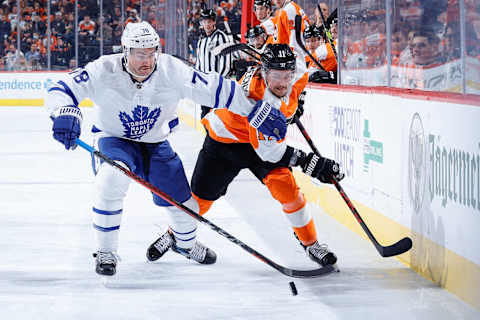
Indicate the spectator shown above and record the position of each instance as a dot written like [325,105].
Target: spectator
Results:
[87,27]
[325,11]
[5,27]
[116,17]
[132,16]
[38,25]
[72,64]
[451,48]
[425,45]
[58,23]
[13,17]
[10,57]
[33,54]
[400,52]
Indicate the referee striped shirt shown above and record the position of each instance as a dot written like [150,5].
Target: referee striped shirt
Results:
[206,61]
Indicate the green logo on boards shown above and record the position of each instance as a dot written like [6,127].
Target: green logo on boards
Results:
[372,149]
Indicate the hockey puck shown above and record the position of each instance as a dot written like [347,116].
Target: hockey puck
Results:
[293,288]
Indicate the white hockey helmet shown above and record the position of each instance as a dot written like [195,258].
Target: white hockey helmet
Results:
[138,35]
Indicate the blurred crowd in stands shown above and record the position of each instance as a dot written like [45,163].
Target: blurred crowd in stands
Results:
[423,32]
[33,30]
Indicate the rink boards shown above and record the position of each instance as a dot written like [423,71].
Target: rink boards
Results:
[412,165]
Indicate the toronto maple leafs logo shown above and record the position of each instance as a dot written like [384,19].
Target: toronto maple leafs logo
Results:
[142,122]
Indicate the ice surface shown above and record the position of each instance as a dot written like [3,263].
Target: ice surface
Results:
[46,242]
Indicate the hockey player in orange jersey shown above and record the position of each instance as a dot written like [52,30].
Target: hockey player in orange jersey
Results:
[323,53]
[285,23]
[263,12]
[236,140]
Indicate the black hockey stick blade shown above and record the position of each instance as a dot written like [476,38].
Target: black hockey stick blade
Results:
[315,273]
[226,48]
[298,37]
[230,47]
[395,249]
[284,270]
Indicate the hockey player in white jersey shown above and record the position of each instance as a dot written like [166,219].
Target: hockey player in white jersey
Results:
[136,95]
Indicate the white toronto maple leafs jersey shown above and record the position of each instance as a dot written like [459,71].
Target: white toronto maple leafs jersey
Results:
[145,113]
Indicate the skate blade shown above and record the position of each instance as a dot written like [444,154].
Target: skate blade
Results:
[335,268]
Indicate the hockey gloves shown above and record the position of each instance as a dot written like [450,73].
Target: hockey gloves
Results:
[323,77]
[268,120]
[321,168]
[67,125]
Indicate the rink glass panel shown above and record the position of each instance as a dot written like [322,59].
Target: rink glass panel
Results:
[376,44]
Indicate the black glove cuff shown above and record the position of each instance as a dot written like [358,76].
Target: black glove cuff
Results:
[285,161]
[292,157]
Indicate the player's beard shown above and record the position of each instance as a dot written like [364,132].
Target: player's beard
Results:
[143,71]
[280,91]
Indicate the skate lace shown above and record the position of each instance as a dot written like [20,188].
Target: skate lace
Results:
[318,250]
[198,252]
[107,257]
[164,242]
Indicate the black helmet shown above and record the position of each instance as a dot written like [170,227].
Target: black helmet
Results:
[265,3]
[312,31]
[278,56]
[208,14]
[254,32]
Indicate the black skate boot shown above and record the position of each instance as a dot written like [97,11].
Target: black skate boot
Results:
[320,254]
[198,252]
[160,246]
[106,263]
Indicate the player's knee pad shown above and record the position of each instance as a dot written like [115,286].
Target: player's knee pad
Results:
[183,226]
[111,187]
[282,185]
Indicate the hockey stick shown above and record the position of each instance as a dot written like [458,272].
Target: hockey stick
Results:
[327,32]
[397,248]
[286,271]
[229,47]
[298,36]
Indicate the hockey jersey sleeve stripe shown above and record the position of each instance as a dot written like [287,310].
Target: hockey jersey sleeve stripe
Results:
[173,123]
[106,229]
[232,93]
[107,213]
[65,90]
[219,89]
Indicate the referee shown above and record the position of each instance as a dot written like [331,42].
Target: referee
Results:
[206,61]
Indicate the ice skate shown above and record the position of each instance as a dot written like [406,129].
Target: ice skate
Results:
[198,252]
[106,263]
[320,254]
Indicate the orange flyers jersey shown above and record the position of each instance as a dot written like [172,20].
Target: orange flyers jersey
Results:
[324,54]
[285,24]
[231,126]
[269,26]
